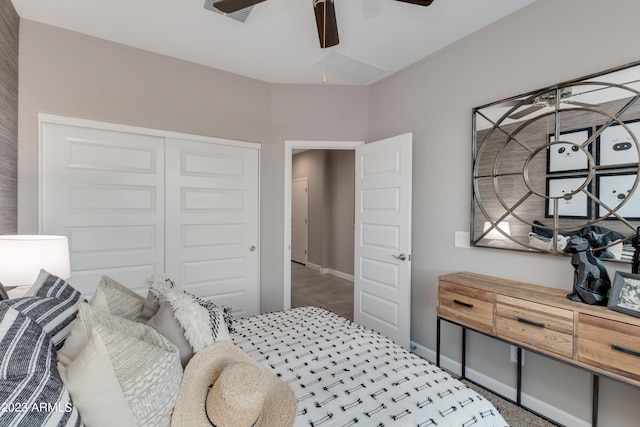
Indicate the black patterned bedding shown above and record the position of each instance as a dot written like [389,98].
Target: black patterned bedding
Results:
[346,375]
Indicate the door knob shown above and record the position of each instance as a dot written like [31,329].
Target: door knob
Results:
[252,248]
[401,257]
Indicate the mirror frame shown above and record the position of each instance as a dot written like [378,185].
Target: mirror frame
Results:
[514,116]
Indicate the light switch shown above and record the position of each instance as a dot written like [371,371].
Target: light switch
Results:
[462,239]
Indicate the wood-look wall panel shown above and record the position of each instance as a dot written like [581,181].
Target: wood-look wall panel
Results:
[9,28]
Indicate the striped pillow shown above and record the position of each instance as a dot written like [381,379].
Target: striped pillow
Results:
[52,303]
[48,285]
[31,390]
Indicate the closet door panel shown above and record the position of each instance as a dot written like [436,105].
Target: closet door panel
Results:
[212,221]
[104,190]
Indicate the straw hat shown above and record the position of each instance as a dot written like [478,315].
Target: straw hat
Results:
[224,387]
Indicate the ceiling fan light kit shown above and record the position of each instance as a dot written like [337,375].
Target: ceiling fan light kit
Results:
[324,11]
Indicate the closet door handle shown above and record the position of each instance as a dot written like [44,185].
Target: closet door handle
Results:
[401,257]
[625,350]
[531,322]
[252,248]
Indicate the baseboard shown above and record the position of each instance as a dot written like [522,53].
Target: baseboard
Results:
[340,274]
[530,402]
[316,267]
[331,271]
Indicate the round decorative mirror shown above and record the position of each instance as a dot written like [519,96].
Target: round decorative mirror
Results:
[558,162]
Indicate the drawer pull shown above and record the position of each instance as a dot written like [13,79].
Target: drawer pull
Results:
[625,350]
[464,304]
[530,322]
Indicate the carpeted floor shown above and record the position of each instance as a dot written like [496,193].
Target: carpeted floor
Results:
[512,413]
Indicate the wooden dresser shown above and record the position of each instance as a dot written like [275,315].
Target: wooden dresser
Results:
[543,320]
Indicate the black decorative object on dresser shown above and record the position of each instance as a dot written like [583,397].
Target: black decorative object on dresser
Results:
[591,282]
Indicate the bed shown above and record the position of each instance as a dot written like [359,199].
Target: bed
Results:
[346,375]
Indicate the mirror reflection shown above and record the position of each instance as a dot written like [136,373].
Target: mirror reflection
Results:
[558,162]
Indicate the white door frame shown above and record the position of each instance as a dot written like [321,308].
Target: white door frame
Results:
[304,230]
[289,146]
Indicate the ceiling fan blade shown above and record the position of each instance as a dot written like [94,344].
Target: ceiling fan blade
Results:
[326,22]
[230,6]
[525,112]
[514,102]
[580,104]
[418,2]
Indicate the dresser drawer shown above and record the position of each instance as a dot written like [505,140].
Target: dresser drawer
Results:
[535,325]
[609,344]
[466,306]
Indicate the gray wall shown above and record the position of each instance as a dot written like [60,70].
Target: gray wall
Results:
[342,195]
[9,28]
[70,74]
[548,42]
[330,204]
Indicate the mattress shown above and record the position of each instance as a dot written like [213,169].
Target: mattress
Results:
[346,375]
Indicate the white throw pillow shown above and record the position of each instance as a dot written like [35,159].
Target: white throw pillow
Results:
[148,372]
[202,321]
[94,387]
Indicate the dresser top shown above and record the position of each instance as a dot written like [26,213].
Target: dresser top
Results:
[536,293]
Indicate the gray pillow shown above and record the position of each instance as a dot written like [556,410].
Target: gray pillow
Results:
[165,322]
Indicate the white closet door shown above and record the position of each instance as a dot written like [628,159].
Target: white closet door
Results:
[105,191]
[212,222]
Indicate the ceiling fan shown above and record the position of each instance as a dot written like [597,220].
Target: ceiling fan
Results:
[324,10]
[546,100]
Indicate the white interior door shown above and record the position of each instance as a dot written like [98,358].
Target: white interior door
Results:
[212,222]
[382,270]
[104,190]
[299,220]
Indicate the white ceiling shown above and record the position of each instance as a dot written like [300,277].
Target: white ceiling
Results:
[278,43]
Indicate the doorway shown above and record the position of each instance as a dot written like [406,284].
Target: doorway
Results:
[311,274]
[324,182]
[382,233]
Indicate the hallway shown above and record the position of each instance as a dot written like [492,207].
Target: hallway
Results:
[310,287]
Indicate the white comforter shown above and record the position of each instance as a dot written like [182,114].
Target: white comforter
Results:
[345,375]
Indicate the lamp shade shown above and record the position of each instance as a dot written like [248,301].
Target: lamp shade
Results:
[23,256]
